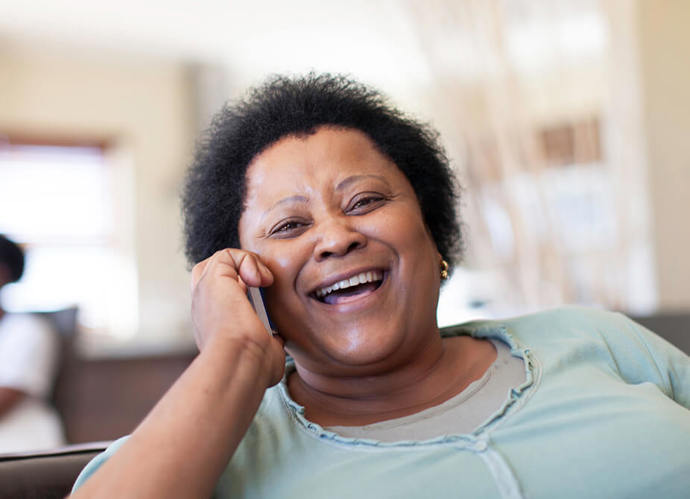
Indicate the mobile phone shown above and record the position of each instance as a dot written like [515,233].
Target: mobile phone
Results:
[257,300]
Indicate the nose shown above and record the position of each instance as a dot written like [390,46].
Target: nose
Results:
[337,237]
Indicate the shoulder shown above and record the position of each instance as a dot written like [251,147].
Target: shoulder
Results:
[27,331]
[572,330]
[553,324]
[568,316]
[24,322]
[588,329]
[570,335]
[573,322]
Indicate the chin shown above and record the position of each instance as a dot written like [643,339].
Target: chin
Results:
[359,348]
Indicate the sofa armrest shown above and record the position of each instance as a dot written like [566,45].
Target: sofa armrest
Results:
[45,474]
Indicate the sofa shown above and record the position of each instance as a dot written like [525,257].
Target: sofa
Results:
[44,474]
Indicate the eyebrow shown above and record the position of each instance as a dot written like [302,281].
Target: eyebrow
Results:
[356,178]
[341,185]
[290,199]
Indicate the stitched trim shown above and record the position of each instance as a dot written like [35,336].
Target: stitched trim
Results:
[517,398]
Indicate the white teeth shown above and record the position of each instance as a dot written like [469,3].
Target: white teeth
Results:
[362,278]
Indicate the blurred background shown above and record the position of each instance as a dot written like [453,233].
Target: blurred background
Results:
[566,121]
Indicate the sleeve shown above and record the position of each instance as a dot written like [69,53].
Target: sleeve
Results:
[28,354]
[642,356]
[97,462]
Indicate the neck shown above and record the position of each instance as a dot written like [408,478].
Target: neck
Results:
[435,373]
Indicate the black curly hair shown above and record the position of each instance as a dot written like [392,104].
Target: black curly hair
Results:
[12,257]
[213,195]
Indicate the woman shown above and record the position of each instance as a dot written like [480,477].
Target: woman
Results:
[341,209]
[29,351]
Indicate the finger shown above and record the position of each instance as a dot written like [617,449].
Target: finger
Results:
[266,274]
[233,263]
[217,265]
[250,272]
[251,269]
[198,271]
[242,284]
[225,263]
[201,269]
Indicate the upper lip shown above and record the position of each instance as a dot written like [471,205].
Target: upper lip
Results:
[344,275]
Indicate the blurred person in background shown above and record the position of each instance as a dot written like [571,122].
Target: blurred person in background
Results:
[28,359]
[343,210]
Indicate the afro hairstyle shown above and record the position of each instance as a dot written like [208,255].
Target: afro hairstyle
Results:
[213,194]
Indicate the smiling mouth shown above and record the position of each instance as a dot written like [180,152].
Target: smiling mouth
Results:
[349,289]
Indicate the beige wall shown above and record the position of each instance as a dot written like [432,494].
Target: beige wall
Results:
[144,108]
[664,48]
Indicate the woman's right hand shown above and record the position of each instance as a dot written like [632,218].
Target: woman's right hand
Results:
[222,312]
[208,410]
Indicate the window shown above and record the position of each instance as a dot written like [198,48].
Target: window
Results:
[61,203]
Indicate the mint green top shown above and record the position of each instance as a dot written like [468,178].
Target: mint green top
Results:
[603,413]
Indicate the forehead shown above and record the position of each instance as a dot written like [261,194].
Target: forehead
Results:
[300,165]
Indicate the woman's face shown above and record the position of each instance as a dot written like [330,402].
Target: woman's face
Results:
[327,211]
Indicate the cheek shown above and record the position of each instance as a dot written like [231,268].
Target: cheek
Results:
[279,298]
[406,230]
[285,262]
[420,257]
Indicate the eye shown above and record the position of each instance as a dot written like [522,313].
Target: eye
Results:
[287,228]
[365,202]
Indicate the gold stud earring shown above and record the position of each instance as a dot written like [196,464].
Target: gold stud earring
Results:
[444,270]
